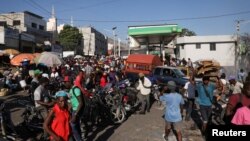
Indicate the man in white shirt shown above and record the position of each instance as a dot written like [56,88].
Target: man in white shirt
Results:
[235,86]
[144,95]
[190,95]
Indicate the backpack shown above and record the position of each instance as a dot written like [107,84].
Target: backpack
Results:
[84,111]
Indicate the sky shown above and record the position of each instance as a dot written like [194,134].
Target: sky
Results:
[204,17]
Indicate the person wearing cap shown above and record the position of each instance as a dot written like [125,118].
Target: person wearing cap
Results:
[35,81]
[57,122]
[144,88]
[235,86]
[173,110]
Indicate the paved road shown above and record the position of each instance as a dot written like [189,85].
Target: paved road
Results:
[148,127]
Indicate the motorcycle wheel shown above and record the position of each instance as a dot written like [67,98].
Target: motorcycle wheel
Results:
[118,115]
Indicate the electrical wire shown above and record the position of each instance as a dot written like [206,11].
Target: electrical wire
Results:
[164,20]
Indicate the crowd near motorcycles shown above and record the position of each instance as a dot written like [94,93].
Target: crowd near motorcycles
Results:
[95,90]
[64,101]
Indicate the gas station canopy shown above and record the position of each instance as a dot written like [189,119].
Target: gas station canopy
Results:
[154,34]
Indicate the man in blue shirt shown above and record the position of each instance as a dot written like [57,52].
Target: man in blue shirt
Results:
[205,97]
[173,110]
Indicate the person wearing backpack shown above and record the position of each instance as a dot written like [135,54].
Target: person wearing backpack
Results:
[76,101]
[237,101]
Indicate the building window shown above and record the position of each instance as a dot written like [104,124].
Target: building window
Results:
[198,46]
[34,25]
[16,22]
[212,47]
[41,27]
[3,23]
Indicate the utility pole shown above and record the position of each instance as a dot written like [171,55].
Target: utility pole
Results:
[114,50]
[119,47]
[20,41]
[236,61]
[128,42]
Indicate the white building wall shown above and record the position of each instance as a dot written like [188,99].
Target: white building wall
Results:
[224,53]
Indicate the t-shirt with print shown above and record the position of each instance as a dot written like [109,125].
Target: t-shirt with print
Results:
[73,97]
[172,110]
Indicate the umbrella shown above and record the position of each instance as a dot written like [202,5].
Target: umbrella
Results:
[37,57]
[18,59]
[78,57]
[37,54]
[11,51]
[49,59]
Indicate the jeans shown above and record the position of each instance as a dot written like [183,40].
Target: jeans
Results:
[205,112]
[76,130]
[190,107]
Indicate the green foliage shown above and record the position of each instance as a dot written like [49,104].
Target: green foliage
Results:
[70,38]
[244,44]
[187,32]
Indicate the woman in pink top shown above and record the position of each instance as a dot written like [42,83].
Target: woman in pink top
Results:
[242,116]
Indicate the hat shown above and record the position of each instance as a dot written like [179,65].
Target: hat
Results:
[66,79]
[37,72]
[45,75]
[141,74]
[171,85]
[231,77]
[83,69]
[61,94]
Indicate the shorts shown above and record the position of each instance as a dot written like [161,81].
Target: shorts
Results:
[177,126]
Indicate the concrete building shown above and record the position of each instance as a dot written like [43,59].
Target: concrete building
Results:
[94,42]
[28,25]
[122,47]
[60,28]
[221,48]
[52,26]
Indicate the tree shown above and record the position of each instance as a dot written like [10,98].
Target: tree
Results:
[70,38]
[187,32]
[244,44]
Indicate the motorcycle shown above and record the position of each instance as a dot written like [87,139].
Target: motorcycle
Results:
[156,93]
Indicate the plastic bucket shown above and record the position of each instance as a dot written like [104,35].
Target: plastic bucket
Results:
[23,83]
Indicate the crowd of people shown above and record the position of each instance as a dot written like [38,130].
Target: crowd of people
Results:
[71,81]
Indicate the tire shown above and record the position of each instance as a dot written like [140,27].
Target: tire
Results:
[121,115]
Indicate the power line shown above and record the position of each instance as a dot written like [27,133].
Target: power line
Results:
[166,20]
[40,6]
[89,6]
[35,6]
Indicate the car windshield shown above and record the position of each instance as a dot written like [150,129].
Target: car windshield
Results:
[179,73]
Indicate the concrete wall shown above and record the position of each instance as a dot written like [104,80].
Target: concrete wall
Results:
[95,43]
[224,53]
